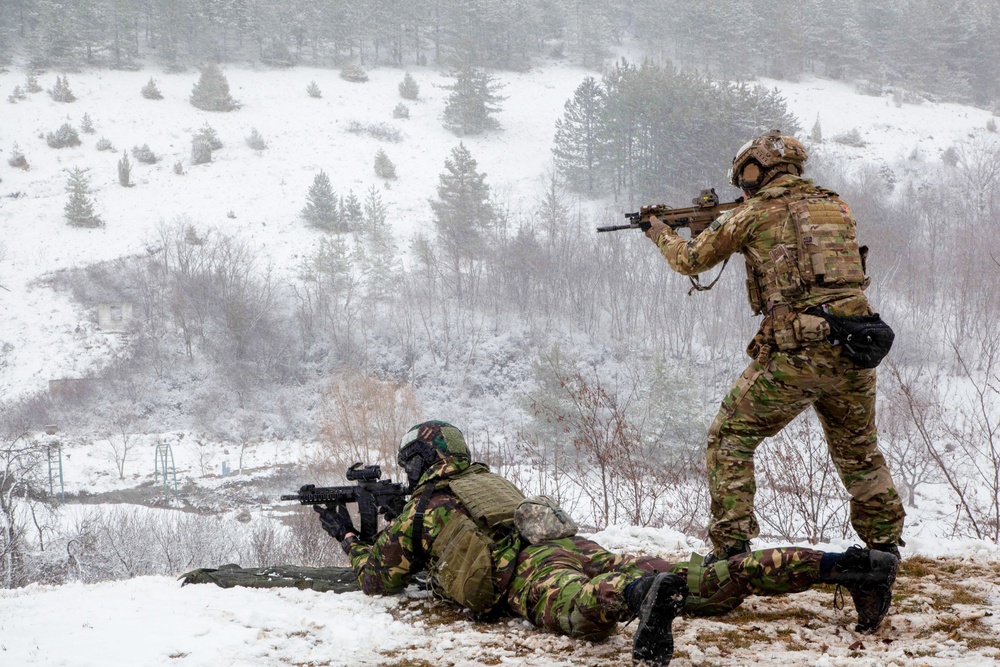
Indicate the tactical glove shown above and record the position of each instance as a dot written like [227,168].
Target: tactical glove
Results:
[336,521]
[656,227]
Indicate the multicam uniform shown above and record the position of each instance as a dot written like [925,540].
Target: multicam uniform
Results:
[801,252]
[571,585]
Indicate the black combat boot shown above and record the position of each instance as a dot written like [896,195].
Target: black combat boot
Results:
[656,599]
[868,575]
[889,548]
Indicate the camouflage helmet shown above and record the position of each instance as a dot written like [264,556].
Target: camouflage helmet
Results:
[771,152]
[427,443]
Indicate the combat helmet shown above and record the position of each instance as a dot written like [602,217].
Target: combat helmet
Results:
[770,154]
[429,443]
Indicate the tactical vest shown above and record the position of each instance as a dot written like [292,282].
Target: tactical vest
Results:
[462,566]
[817,247]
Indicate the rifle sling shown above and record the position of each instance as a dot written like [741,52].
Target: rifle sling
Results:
[418,524]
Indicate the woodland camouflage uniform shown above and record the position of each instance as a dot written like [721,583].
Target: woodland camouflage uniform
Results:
[569,585]
[793,365]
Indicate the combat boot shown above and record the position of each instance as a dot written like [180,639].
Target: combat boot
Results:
[656,599]
[868,576]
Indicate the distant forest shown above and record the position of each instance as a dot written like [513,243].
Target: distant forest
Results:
[939,48]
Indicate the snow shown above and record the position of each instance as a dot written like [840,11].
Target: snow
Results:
[151,621]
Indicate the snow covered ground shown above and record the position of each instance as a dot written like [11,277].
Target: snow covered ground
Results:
[945,614]
[152,621]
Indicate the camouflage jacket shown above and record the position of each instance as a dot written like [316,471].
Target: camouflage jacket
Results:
[754,229]
[385,566]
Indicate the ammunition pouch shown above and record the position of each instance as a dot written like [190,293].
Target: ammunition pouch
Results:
[463,566]
[701,578]
[795,330]
[540,519]
[864,339]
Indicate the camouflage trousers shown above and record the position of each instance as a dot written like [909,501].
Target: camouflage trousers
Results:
[764,400]
[574,587]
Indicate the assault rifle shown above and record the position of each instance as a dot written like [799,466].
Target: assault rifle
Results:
[697,218]
[373,495]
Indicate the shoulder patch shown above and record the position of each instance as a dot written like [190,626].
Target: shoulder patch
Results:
[773,193]
[718,222]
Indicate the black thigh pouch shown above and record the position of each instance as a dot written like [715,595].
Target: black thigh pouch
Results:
[864,339]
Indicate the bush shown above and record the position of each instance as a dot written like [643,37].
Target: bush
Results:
[201,150]
[852,138]
[17,158]
[16,95]
[104,144]
[31,84]
[86,124]
[950,156]
[401,111]
[144,154]
[256,141]
[63,137]
[314,90]
[408,88]
[354,72]
[991,125]
[150,91]
[179,168]
[381,131]
[207,132]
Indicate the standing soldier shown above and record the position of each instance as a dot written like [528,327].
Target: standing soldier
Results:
[817,346]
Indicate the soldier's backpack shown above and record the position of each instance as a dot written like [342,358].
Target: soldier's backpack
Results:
[539,519]
[462,566]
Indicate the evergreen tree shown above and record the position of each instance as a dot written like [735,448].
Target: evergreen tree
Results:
[321,209]
[63,137]
[125,170]
[408,88]
[579,140]
[816,136]
[211,93]
[207,132]
[314,90]
[384,168]
[377,253]
[150,91]
[256,140]
[87,124]
[201,150]
[79,209]
[463,214]
[473,101]
[351,211]
[60,92]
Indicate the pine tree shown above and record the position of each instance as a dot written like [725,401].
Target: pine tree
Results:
[473,101]
[211,93]
[87,124]
[256,140]
[377,254]
[125,170]
[579,140]
[384,168]
[408,88]
[60,92]
[150,91]
[63,137]
[463,214]
[314,90]
[816,136]
[79,209]
[201,150]
[207,132]
[321,209]
[351,211]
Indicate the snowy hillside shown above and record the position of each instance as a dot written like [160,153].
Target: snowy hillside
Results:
[949,595]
